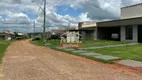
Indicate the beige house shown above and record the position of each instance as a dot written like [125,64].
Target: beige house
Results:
[128,28]
[87,28]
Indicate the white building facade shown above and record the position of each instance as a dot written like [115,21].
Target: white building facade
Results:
[130,12]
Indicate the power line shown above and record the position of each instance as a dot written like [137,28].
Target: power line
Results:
[15,23]
[20,27]
[53,3]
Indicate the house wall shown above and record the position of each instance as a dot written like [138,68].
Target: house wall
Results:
[83,34]
[2,37]
[135,34]
[88,30]
[131,11]
[96,34]
[88,34]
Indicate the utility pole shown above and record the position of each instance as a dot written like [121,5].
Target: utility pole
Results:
[44,21]
[34,28]
[44,24]
[68,26]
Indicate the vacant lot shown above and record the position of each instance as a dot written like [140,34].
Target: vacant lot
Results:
[3,47]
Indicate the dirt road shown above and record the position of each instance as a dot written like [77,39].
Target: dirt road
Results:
[24,61]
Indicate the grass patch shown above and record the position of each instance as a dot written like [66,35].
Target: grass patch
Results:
[95,43]
[56,43]
[3,47]
[38,43]
[126,52]
[85,43]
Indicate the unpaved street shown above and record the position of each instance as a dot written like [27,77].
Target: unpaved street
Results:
[24,61]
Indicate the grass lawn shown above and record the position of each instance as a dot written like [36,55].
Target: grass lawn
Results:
[55,43]
[87,43]
[38,43]
[94,43]
[3,47]
[127,52]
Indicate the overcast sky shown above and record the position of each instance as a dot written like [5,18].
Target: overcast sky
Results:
[22,13]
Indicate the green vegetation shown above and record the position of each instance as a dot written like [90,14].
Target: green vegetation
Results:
[3,47]
[94,43]
[38,43]
[87,43]
[126,52]
[54,43]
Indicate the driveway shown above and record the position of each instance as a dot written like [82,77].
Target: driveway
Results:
[24,61]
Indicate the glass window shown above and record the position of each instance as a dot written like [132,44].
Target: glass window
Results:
[129,32]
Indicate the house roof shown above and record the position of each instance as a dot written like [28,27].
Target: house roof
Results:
[132,5]
[87,28]
[87,24]
[2,34]
[120,22]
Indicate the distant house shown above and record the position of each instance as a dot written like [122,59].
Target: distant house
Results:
[7,35]
[3,36]
[55,34]
[19,35]
[128,28]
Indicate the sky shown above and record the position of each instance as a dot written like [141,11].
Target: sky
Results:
[19,15]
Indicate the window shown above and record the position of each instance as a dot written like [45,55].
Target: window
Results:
[129,32]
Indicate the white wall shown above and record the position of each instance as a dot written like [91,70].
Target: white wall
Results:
[131,11]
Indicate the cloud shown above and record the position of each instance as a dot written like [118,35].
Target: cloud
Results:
[16,21]
[101,9]
[16,1]
[12,11]
[130,2]
[84,17]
